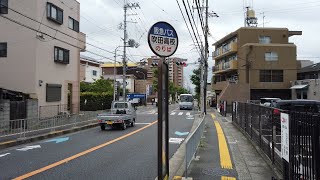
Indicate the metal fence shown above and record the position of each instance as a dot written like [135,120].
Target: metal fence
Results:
[21,128]
[304,156]
[263,126]
[192,144]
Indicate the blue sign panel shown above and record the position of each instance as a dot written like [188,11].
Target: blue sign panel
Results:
[163,39]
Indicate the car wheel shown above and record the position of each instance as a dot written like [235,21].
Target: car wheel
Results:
[124,126]
[133,122]
[103,127]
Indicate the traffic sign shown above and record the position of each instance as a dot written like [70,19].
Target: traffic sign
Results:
[163,39]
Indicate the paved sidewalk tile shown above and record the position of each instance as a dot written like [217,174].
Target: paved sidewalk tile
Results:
[247,162]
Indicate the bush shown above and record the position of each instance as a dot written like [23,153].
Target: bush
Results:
[92,101]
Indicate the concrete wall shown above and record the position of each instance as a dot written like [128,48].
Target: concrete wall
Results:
[4,114]
[18,69]
[286,62]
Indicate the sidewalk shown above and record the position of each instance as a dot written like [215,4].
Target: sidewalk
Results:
[247,163]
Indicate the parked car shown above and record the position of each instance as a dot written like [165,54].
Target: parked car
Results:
[299,105]
[268,101]
[122,114]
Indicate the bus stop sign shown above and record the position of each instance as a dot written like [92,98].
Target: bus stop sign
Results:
[163,39]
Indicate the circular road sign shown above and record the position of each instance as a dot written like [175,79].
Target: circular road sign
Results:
[163,39]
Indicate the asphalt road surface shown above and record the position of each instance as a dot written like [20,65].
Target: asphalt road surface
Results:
[95,154]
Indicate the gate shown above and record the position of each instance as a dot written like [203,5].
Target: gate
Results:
[18,110]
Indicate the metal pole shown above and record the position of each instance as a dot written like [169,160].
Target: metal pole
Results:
[114,74]
[124,52]
[205,61]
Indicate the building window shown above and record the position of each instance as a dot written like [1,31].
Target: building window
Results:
[271,75]
[54,13]
[53,92]
[271,56]
[61,55]
[302,94]
[73,24]
[3,6]
[3,50]
[94,73]
[264,39]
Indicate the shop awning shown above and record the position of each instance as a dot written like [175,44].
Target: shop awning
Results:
[299,86]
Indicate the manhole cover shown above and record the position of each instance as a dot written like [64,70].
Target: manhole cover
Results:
[218,172]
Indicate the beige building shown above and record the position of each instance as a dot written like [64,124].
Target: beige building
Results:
[253,62]
[43,64]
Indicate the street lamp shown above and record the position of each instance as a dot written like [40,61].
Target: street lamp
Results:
[131,43]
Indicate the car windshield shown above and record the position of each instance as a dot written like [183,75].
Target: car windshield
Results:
[186,98]
[120,105]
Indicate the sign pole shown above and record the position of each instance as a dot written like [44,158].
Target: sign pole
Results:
[163,41]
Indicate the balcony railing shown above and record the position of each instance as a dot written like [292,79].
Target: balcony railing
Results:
[225,50]
[222,67]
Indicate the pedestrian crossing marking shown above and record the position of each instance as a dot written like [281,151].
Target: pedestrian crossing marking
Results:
[180,113]
[173,113]
[188,113]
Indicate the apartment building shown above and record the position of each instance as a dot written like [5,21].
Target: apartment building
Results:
[40,44]
[90,69]
[308,84]
[254,62]
[175,71]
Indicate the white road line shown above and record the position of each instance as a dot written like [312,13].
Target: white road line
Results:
[29,148]
[188,113]
[2,155]
[180,113]
[143,123]
[173,113]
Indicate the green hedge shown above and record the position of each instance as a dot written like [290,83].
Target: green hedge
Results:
[92,101]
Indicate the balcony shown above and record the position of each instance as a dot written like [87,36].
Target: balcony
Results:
[225,67]
[225,50]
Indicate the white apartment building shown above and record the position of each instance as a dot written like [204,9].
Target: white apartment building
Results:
[40,46]
[90,69]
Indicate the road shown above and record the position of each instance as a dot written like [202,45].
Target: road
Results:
[95,154]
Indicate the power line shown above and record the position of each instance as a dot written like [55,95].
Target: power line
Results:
[38,31]
[188,27]
[193,28]
[58,30]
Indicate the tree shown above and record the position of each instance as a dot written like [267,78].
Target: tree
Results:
[99,86]
[195,79]
[155,80]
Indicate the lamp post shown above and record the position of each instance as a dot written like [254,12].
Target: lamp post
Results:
[114,73]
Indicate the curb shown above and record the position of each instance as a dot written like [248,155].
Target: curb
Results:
[45,136]
[260,152]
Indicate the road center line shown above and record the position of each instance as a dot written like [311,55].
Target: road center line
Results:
[225,159]
[81,153]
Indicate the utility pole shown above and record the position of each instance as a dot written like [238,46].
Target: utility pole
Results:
[124,61]
[206,49]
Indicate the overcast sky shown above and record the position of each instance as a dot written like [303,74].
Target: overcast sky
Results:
[100,20]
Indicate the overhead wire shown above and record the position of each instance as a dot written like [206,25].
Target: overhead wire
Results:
[193,30]
[33,29]
[58,30]
[188,28]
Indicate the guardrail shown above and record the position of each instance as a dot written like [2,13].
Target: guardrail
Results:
[192,144]
[22,128]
